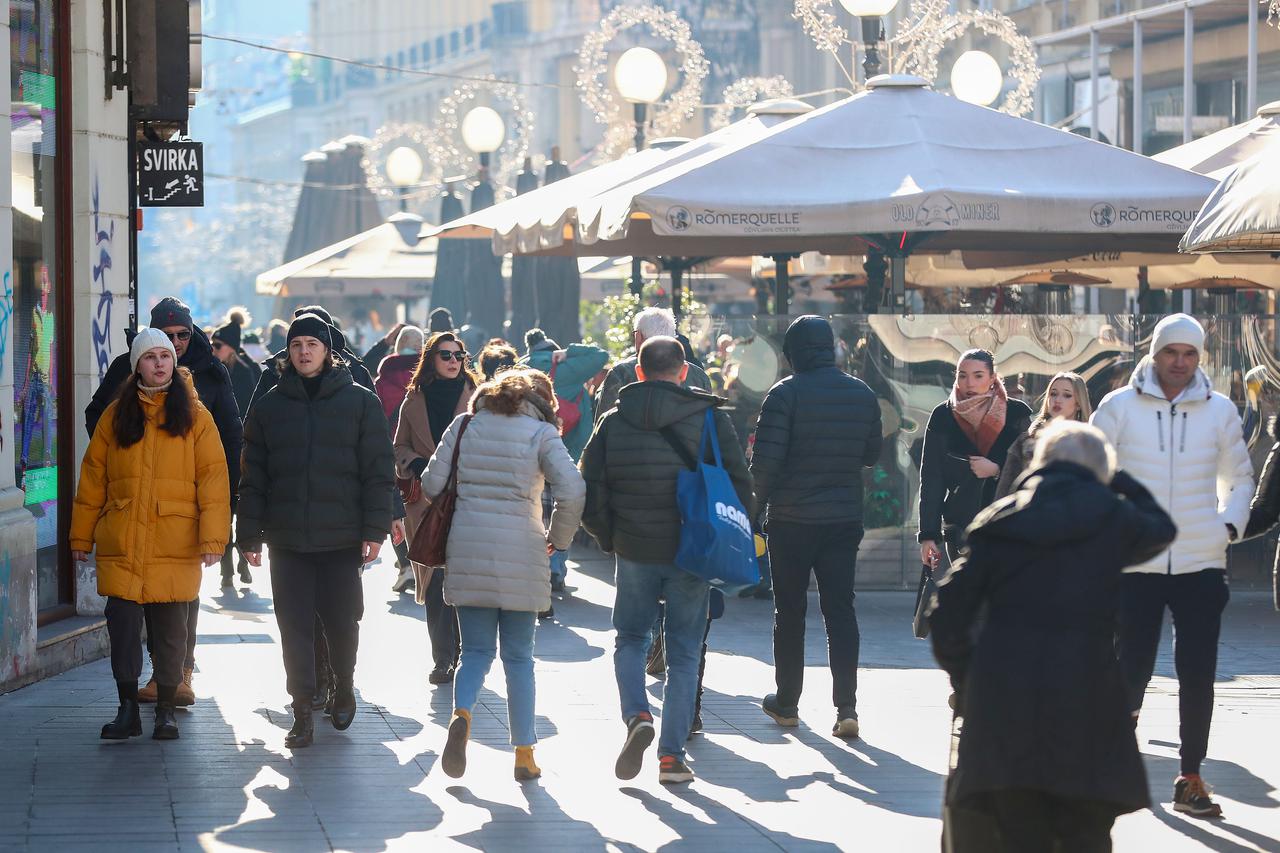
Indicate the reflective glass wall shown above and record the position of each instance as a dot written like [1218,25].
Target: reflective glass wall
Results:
[909,361]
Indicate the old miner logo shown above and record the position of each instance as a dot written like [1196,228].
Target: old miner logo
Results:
[678,218]
[937,209]
[1103,215]
[941,210]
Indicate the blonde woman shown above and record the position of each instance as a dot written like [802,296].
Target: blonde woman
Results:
[1066,399]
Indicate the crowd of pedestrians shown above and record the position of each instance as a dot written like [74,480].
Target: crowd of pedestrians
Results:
[1065,534]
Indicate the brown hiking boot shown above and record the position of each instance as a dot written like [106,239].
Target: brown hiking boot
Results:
[185,696]
[148,692]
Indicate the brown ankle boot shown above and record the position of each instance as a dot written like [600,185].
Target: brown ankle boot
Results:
[526,769]
[185,696]
[147,693]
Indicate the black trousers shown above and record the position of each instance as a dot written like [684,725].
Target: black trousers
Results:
[192,617]
[166,638]
[1036,822]
[304,585]
[830,552]
[442,625]
[1196,601]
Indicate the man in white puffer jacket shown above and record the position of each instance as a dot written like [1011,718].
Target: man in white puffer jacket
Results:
[1184,442]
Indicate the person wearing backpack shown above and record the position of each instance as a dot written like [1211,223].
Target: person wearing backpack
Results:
[631,472]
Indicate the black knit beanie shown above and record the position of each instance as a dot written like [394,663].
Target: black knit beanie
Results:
[170,311]
[311,326]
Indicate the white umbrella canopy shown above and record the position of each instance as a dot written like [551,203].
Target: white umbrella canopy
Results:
[541,221]
[911,170]
[1217,154]
[1243,213]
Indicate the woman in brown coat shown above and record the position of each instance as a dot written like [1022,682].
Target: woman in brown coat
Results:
[440,390]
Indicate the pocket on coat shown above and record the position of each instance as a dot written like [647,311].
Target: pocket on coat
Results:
[177,529]
[111,534]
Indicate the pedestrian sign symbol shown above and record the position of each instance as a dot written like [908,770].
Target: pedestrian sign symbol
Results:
[171,174]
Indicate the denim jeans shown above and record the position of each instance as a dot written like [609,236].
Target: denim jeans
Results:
[481,627]
[560,564]
[639,586]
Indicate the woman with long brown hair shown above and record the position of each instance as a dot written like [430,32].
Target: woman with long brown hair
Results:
[1066,398]
[440,390]
[155,500]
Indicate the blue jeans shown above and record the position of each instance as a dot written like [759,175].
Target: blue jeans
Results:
[560,564]
[480,627]
[639,585]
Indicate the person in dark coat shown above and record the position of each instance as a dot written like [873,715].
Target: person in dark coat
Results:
[213,386]
[1047,751]
[1264,511]
[965,445]
[244,372]
[818,429]
[359,372]
[318,472]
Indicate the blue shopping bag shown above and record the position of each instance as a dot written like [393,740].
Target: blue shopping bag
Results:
[716,540]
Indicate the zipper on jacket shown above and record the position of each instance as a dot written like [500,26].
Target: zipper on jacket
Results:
[306,498]
[1173,419]
[1160,429]
[1182,448]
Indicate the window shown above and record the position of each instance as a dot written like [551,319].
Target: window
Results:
[413,57]
[439,48]
[426,53]
[453,43]
[470,38]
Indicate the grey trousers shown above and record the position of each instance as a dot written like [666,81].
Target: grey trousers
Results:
[167,640]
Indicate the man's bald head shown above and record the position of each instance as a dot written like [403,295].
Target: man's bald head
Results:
[662,360]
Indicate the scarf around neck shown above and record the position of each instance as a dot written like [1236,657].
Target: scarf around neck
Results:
[981,418]
[441,397]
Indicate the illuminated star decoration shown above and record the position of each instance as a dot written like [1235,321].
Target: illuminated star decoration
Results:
[745,91]
[599,98]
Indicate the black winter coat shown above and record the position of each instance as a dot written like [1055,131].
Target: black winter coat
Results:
[630,469]
[317,472]
[818,429]
[1264,512]
[244,379]
[213,387]
[950,496]
[271,372]
[1040,690]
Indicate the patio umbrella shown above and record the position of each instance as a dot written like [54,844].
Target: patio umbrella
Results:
[908,170]
[558,280]
[1243,213]
[486,288]
[1218,153]
[1057,278]
[524,297]
[448,288]
[335,202]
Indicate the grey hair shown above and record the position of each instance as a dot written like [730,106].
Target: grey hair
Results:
[1072,441]
[655,322]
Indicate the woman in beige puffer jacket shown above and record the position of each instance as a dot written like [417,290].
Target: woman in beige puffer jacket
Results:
[497,572]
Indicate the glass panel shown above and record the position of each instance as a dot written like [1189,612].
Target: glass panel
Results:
[33,128]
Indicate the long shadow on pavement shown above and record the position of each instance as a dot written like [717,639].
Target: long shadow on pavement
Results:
[544,826]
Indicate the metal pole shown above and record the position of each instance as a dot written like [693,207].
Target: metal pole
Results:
[1188,72]
[1093,84]
[677,278]
[1251,64]
[875,268]
[1139,113]
[781,284]
[898,283]
[872,31]
[637,283]
[404,199]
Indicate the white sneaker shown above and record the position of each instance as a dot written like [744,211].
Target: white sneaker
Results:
[404,580]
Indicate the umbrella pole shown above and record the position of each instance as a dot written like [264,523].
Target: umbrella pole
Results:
[676,267]
[781,284]
[898,285]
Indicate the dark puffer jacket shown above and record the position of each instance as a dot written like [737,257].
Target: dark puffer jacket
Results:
[213,387]
[818,429]
[950,495]
[244,379]
[317,472]
[1041,691]
[631,470]
[1264,512]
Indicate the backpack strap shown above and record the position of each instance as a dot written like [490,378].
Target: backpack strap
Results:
[678,446]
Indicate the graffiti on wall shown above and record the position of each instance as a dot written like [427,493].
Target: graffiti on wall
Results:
[103,243]
[6,311]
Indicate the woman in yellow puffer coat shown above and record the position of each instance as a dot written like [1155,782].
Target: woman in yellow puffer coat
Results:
[154,499]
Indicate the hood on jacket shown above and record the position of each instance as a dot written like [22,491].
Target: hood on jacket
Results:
[809,344]
[397,363]
[1144,381]
[654,405]
[199,356]
[333,381]
[1057,504]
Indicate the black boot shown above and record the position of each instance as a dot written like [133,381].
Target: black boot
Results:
[246,577]
[128,721]
[343,710]
[321,700]
[303,731]
[166,721]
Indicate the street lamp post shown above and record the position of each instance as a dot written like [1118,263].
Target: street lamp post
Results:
[404,170]
[483,132]
[641,78]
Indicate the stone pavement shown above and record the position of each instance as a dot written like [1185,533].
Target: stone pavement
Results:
[229,784]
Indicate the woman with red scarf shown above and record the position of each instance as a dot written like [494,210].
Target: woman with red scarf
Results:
[965,446]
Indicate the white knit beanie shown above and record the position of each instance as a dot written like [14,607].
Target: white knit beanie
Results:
[149,339]
[1178,329]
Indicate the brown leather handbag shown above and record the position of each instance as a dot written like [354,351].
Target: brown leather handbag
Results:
[429,540]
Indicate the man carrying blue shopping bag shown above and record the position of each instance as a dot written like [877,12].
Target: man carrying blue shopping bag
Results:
[632,468]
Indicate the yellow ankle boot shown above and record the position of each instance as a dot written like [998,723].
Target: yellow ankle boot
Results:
[525,767]
[454,759]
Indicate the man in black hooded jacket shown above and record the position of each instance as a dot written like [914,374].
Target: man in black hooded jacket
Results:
[818,429]
[271,375]
[213,386]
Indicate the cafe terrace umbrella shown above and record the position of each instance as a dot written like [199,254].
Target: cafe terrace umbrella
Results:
[908,170]
[524,275]
[449,285]
[558,279]
[1218,153]
[1243,213]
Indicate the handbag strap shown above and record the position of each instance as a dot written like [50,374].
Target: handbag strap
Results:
[708,435]
[451,483]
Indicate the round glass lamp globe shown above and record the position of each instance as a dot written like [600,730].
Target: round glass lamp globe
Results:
[868,8]
[404,166]
[640,75]
[483,130]
[976,77]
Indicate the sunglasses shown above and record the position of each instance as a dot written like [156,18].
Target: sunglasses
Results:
[449,355]
[184,335]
